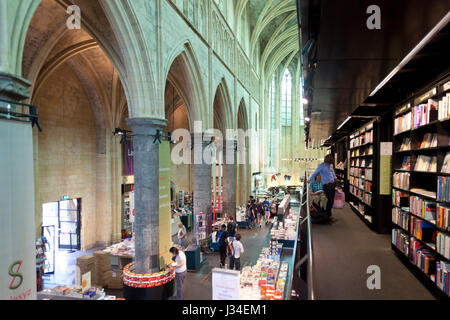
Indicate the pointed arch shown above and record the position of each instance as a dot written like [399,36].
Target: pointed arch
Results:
[223,111]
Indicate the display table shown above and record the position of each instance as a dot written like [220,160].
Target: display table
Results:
[122,253]
[73,293]
[193,257]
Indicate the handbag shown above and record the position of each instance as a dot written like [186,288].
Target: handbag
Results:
[339,199]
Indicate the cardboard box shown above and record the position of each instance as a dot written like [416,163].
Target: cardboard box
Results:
[115,279]
[102,261]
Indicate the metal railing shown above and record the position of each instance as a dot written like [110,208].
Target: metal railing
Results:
[306,263]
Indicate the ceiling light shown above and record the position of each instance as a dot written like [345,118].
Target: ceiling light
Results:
[346,120]
[307,119]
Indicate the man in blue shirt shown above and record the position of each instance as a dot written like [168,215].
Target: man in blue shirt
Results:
[326,171]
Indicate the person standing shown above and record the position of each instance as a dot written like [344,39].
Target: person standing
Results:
[223,243]
[326,171]
[231,229]
[180,270]
[182,234]
[273,208]
[260,212]
[237,249]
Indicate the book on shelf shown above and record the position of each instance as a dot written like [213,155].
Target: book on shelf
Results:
[406,163]
[443,216]
[443,276]
[422,230]
[425,113]
[443,244]
[401,180]
[400,218]
[400,199]
[424,192]
[406,144]
[426,163]
[401,241]
[429,141]
[423,258]
[444,107]
[446,164]
[443,193]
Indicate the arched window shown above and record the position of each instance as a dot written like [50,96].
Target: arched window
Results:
[302,114]
[286,99]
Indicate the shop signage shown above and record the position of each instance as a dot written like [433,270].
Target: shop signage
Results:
[65,197]
[225,284]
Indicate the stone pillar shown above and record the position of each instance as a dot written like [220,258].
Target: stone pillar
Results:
[202,176]
[229,178]
[146,188]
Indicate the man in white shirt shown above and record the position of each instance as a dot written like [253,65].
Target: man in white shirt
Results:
[180,270]
[237,249]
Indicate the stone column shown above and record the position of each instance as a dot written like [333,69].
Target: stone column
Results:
[229,178]
[146,188]
[202,176]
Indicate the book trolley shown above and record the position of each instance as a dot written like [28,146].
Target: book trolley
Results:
[420,192]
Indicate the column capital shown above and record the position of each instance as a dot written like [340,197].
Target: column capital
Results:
[145,126]
[13,87]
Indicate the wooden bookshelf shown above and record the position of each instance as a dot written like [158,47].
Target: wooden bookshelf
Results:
[429,137]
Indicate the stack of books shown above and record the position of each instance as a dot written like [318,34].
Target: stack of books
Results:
[443,216]
[403,123]
[426,164]
[444,107]
[443,193]
[425,113]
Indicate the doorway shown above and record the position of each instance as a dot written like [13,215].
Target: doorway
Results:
[61,225]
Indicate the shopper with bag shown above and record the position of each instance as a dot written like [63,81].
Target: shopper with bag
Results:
[180,270]
[326,171]
[236,249]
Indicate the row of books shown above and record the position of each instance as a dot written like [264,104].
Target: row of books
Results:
[423,208]
[357,172]
[429,141]
[423,258]
[425,113]
[360,162]
[426,163]
[400,199]
[422,230]
[443,244]
[367,198]
[401,241]
[365,138]
[444,107]
[400,218]
[443,276]
[368,151]
[403,123]
[368,186]
[357,182]
[443,216]
[401,180]
[443,193]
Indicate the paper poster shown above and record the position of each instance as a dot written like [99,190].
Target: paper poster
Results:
[86,281]
[385,168]
[225,284]
[386,148]
[165,216]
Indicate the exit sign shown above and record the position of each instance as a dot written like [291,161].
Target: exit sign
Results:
[65,197]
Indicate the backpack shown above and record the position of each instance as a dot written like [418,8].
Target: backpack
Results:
[230,248]
[219,234]
[222,239]
[231,227]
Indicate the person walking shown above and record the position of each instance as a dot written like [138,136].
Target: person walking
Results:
[237,249]
[223,243]
[326,171]
[259,212]
[180,270]
[182,235]
[266,206]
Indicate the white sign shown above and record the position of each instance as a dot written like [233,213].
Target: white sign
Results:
[225,284]
[386,148]
[86,281]
[132,206]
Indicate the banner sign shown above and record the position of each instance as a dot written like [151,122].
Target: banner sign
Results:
[17,222]
[128,160]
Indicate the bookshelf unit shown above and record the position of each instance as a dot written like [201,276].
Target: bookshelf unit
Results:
[339,150]
[361,165]
[420,192]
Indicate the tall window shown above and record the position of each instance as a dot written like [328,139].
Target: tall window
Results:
[286,99]
[272,97]
[302,113]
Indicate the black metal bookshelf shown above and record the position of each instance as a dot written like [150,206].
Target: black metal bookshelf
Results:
[420,180]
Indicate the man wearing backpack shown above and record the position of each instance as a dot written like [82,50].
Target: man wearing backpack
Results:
[222,240]
[231,229]
[237,249]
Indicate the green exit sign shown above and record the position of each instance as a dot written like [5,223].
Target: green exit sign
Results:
[65,197]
